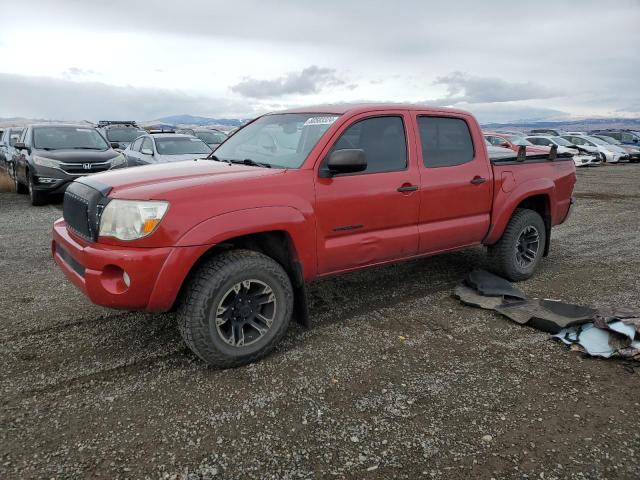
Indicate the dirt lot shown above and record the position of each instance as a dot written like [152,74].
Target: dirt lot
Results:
[394,379]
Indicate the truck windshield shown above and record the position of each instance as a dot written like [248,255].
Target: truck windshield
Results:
[211,137]
[281,140]
[68,138]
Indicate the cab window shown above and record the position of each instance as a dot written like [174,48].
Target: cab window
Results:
[383,140]
[446,141]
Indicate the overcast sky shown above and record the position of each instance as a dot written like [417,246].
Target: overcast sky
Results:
[502,60]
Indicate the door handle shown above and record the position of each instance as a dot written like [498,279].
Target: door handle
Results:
[477,180]
[407,188]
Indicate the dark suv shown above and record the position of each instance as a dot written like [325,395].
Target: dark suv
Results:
[50,156]
[119,133]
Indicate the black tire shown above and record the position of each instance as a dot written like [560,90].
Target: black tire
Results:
[210,286]
[18,186]
[506,255]
[37,198]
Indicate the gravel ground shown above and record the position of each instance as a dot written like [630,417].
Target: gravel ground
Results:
[394,379]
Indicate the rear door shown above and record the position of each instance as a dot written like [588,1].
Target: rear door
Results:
[370,217]
[456,185]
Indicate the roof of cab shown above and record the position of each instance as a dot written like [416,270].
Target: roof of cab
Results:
[355,108]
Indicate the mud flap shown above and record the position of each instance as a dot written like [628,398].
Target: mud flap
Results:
[300,302]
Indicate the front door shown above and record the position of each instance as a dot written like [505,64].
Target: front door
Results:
[370,217]
[456,184]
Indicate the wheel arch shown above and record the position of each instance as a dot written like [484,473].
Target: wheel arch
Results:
[538,195]
[276,244]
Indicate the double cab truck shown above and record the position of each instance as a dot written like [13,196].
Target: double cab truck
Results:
[229,241]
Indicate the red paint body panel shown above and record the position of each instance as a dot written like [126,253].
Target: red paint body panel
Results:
[334,224]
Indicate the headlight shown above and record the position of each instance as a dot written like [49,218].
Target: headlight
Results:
[131,219]
[46,162]
[117,161]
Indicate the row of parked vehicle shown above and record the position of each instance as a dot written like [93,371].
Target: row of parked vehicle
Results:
[42,159]
[587,149]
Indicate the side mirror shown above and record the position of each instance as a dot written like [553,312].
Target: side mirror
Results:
[146,151]
[115,145]
[505,145]
[348,160]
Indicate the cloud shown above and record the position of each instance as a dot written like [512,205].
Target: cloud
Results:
[78,72]
[45,97]
[310,80]
[462,87]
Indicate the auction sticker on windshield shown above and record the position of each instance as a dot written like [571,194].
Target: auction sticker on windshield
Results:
[320,121]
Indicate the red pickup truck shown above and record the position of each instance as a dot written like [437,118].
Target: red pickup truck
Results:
[231,240]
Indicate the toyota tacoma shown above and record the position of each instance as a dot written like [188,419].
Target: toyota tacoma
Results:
[230,241]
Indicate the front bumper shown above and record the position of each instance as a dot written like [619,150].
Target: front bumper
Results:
[153,278]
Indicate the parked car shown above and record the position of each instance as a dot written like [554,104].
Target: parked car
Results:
[632,151]
[546,131]
[607,152]
[50,156]
[231,241]
[8,139]
[165,147]
[625,137]
[513,142]
[210,136]
[581,158]
[120,133]
[498,153]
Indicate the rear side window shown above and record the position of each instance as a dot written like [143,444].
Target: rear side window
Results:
[136,145]
[146,144]
[383,141]
[445,141]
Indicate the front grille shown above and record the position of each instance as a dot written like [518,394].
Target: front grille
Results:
[82,207]
[75,211]
[85,168]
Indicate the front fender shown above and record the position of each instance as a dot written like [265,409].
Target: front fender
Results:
[221,228]
[506,203]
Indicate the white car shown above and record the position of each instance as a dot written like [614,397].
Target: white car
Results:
[165,147]
[607,152]
[581,159]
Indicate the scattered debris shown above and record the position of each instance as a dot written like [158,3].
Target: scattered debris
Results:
[601,333]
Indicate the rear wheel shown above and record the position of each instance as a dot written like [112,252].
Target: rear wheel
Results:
[517,254]
[236,308]
[37,198]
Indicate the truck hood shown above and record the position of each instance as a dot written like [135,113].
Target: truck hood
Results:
[155,181]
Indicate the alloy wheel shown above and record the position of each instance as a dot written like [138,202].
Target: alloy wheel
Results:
[245,313]
[527,246]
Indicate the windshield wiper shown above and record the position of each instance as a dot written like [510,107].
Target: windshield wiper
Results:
[253,163]
[211,156]
[84,148]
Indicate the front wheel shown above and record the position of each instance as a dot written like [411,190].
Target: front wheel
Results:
[16,183]
[236,308]
[517,254]
[37,198]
